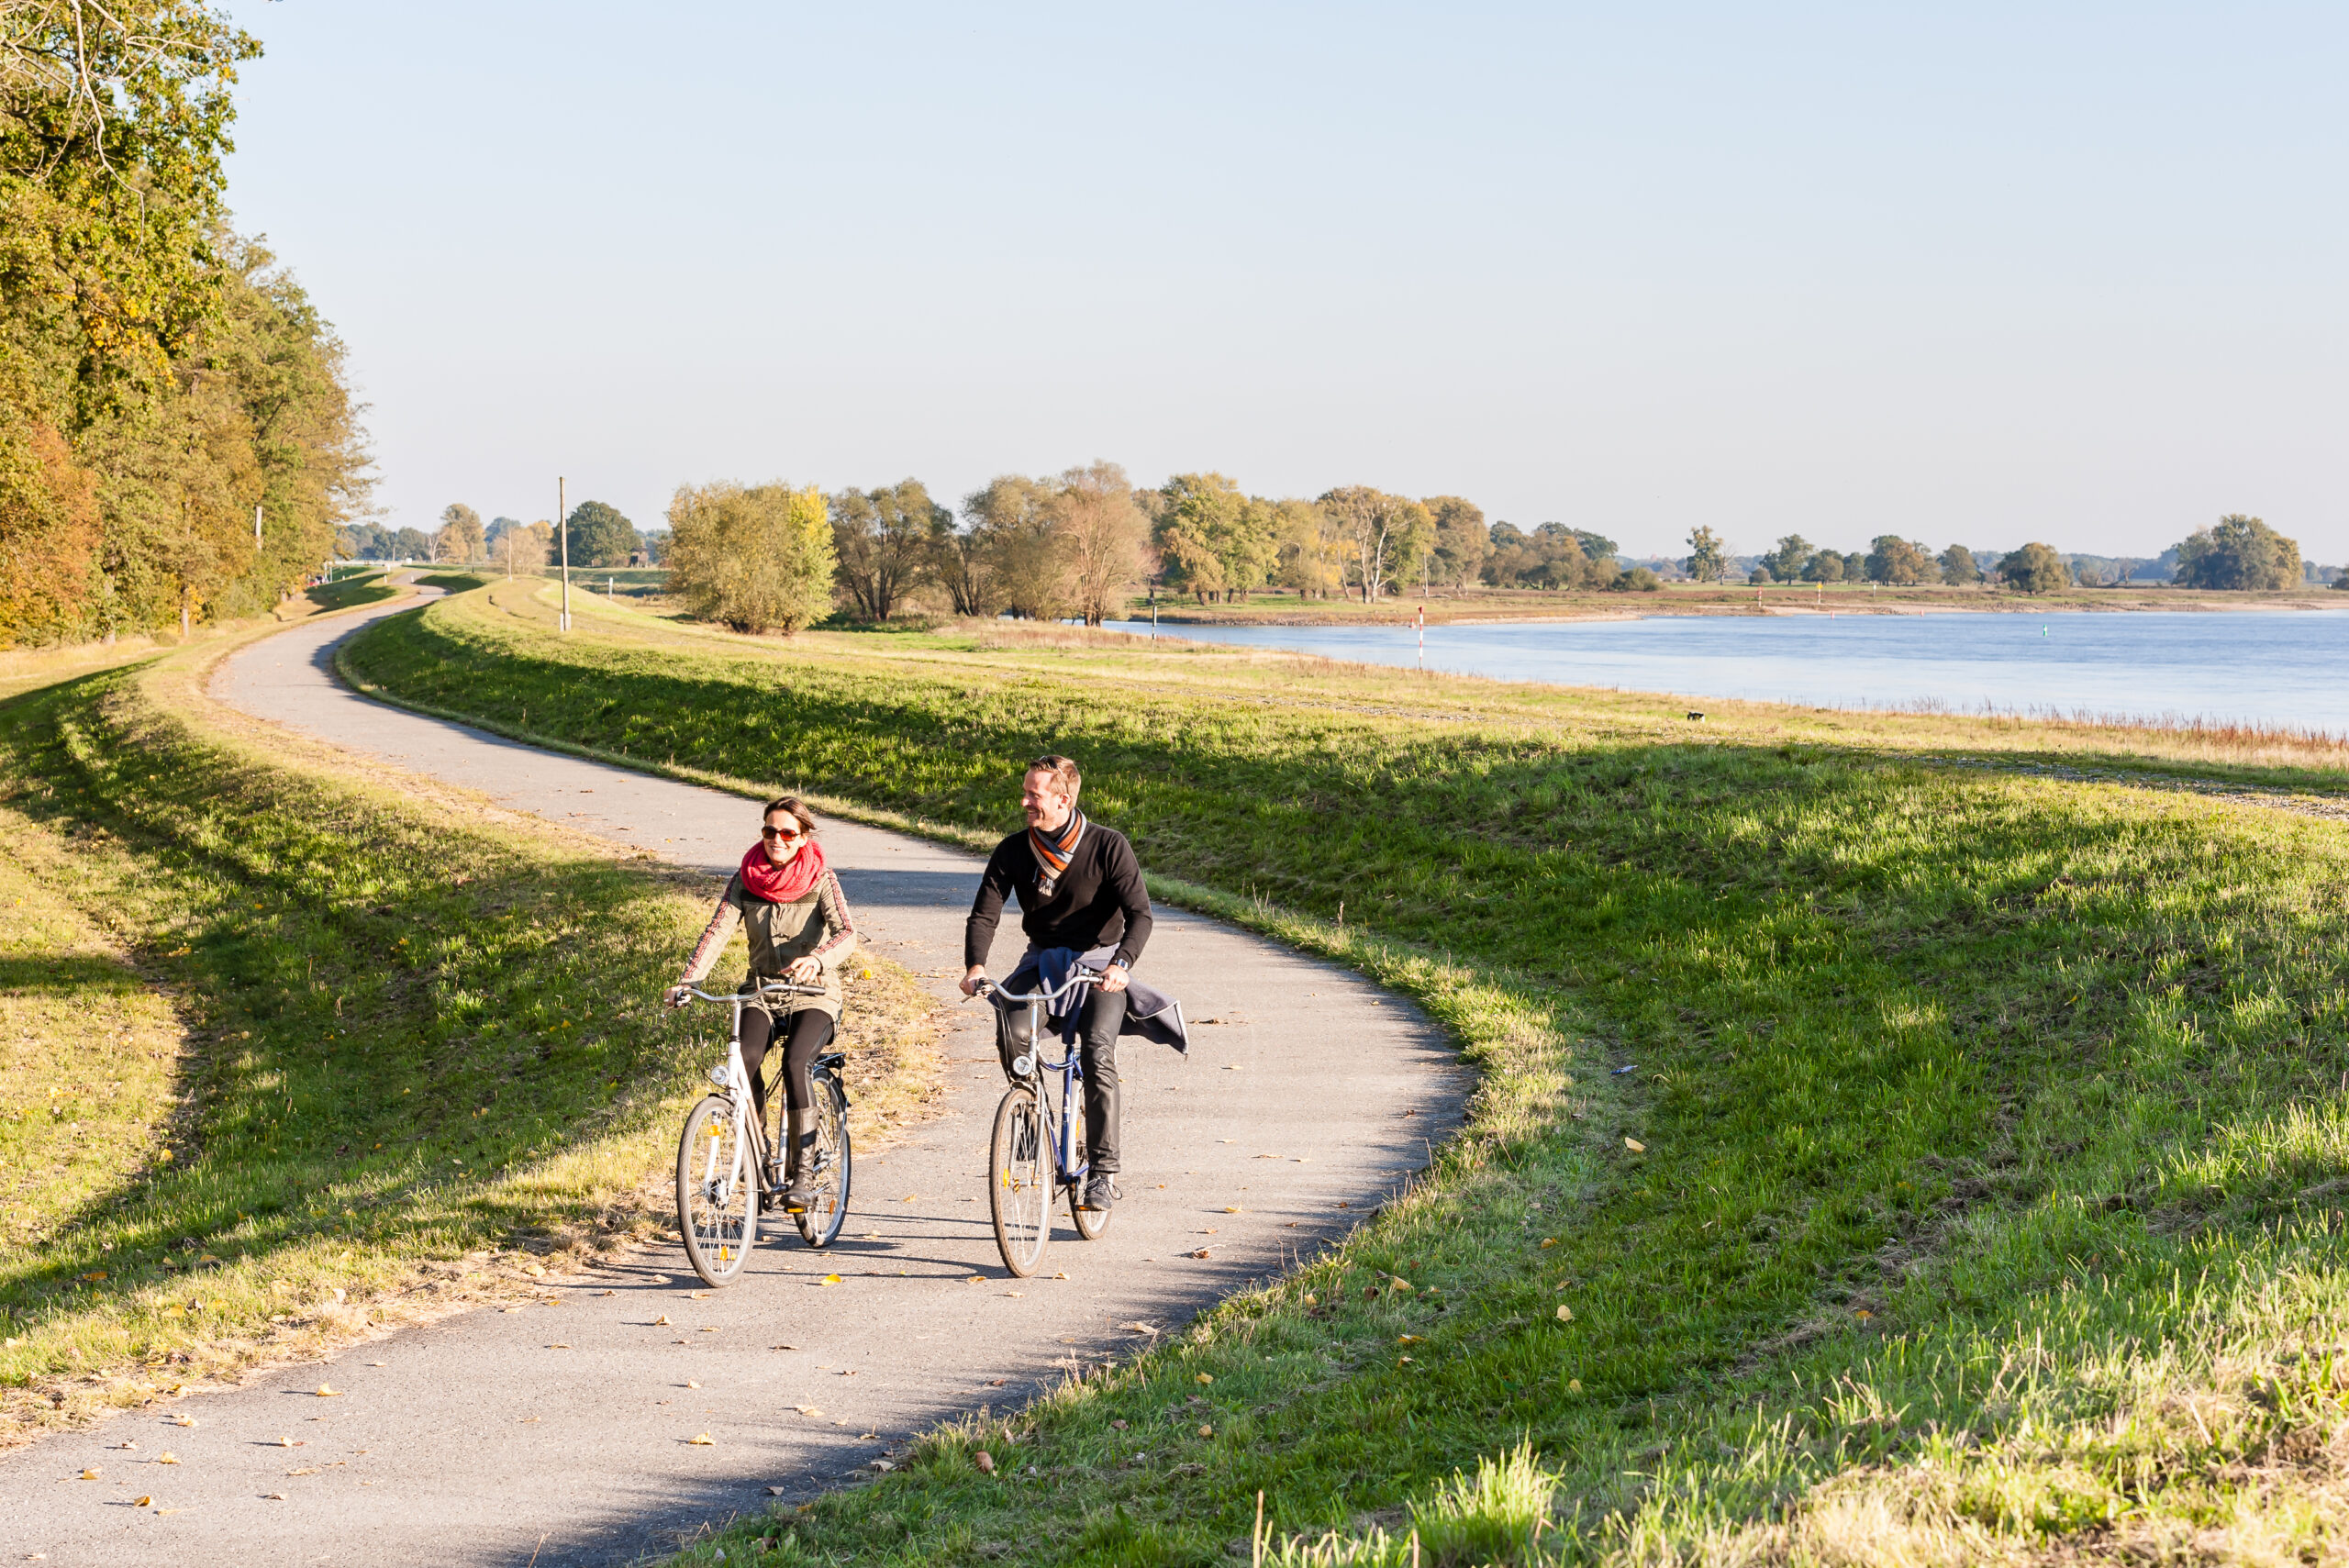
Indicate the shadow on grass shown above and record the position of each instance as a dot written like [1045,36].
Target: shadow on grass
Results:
[386,1023]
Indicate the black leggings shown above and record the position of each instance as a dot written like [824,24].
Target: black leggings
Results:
[806,1034]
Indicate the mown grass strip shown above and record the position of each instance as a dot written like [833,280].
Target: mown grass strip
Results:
[1978,1174]
[313,1057]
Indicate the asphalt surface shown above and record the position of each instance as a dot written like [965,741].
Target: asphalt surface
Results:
[564,1432]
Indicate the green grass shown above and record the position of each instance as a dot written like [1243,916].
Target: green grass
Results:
[1993,1146]
[289,1045]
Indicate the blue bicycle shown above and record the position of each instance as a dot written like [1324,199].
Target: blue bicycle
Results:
[1038,1147]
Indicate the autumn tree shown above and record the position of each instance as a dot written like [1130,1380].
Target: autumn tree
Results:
[1462,539]
[1311,551]
[1099,530]
[1387,533]
[756,558]
[881,537]
[2035,569]
[1958,568]
[460,538]
[1708,557]
[2238,553]
[1899,563]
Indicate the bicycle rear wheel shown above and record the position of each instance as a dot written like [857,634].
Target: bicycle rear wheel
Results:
[718,1192]
[1090,1222]
[821,1224]
[1020,1180]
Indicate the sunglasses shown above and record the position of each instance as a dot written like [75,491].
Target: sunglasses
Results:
[779,833]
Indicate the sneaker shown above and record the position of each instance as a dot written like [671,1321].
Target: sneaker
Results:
[1100,1192]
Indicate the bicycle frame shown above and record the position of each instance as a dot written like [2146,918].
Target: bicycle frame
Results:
[735,1079]
[1067,1167]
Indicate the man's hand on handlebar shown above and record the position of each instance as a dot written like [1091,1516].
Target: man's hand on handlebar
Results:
[975,979]
[1113,978]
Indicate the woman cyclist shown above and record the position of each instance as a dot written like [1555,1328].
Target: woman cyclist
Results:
[797,921]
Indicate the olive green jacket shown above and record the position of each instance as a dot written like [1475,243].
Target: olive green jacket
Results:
[817,926]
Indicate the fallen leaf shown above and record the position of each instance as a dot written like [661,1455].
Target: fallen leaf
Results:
[984,1461]
[883,1465]
[690,1383]
[662,1321]
[89,1475]
[1204,1377]
[326,1392]
[534,1270]
[1573,1386]
[1408,1339]
[829,1279]
[1206,1431]
[1232,1208]
[782,1347]
[1635,1146]
[142,1502]
[697,1294]
[807,1409]
[287,1442]
[1566,1313]
[273,1496]
[306,1470]
[709,1330]
[167,1457]
[1549,1241]
[183,1420]
[1015,1293]
[1863,1314]
[558,1347]
[703,1440]
[1117,1425]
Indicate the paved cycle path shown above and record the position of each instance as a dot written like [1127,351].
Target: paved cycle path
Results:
[1304,1101]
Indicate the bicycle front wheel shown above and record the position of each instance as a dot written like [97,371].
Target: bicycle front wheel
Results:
[1020,1180]
[718,1191]
[821,1224]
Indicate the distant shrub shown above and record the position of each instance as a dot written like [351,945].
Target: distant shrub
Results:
[2035,569]
[1638,579]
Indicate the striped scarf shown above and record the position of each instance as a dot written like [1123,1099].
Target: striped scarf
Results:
[1054,851]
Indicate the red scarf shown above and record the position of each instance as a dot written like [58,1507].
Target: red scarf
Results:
[785,883]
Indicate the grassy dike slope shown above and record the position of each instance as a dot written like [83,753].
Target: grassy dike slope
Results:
[1976,1193]
[294,1055]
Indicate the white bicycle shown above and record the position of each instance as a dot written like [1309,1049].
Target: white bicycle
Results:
[728,1172]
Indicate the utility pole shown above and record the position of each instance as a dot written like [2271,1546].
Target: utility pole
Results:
[563,528]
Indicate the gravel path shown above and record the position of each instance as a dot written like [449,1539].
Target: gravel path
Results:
[478,1441]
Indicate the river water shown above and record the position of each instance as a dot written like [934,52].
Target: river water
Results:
[2288,669]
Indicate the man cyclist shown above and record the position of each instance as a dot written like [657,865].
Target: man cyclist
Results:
[1079,887]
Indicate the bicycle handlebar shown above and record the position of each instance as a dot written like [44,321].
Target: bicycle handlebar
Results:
[768,988]
[1080,975]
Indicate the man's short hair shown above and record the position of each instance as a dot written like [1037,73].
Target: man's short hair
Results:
[1062,769]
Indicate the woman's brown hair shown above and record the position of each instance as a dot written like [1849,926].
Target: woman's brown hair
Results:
[797,808]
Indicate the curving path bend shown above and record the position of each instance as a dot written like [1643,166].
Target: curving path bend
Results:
[476,1443]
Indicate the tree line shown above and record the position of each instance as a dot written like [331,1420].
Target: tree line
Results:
[161,377]
[2237,553]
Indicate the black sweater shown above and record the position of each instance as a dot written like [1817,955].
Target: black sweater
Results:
[1098,900]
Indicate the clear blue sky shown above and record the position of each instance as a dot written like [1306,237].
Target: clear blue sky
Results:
[1984,272]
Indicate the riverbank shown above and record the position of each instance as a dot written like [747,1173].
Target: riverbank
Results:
[1868,1149]
[1473,605]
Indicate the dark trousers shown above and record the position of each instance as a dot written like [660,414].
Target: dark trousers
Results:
[805,1035]
[1104,1013]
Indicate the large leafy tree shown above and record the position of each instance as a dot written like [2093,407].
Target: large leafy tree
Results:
[1387,533]
[1899,562]
[1788,557]
[1099,530]
[2238,553]
[1958,567]
[881,538]
[758,558]
[600,536]
[461,539]
[1708,556]
[2035,569]
[1462,540]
